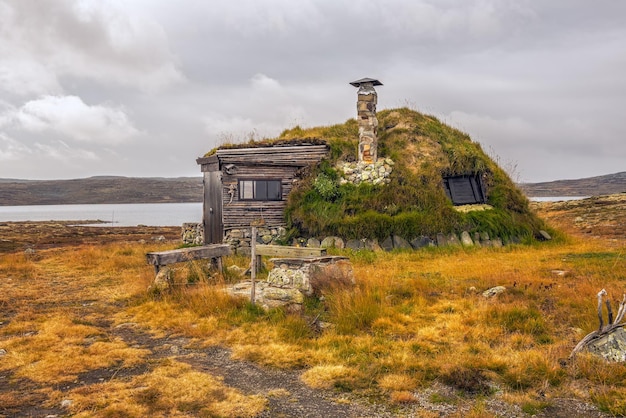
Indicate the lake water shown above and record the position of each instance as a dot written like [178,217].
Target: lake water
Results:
[152,214]
[556,198]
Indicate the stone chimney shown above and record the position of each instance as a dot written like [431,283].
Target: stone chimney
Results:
[366,117]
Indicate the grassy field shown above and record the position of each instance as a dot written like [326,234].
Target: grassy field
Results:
[415,334]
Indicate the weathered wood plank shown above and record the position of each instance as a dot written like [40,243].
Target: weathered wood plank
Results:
[163,258]
[283,251]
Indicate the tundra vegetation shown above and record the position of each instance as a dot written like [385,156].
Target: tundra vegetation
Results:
[415,321]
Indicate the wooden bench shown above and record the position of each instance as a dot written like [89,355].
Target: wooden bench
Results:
[211,251]
[284,251]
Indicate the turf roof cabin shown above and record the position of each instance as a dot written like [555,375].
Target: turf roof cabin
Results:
[245,184]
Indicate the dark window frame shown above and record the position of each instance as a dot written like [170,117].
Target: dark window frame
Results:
[260,190]
[474,184]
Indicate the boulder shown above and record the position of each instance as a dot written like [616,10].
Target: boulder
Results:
[544,235]
[313,243]
[453,240]
[494,291]
[441,240]
[328,242]
[611,347]
[372,245]
[354,244]
[327,276]
[284,295]
[387,244]
[466,240]
[421,241]
[162,282]
[399,242]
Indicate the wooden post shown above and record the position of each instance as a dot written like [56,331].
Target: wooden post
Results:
[253,265]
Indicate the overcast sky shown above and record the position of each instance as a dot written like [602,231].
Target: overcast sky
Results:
[144,87]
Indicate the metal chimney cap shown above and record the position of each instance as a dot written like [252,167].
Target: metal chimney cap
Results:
[366,80]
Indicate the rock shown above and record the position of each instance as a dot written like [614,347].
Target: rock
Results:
[611,347]
[266,239]
[328,242]
[441,240]
[283,276]
[339,243]
[66,403]
[355,244]
[372,245]
[160,238]
[236,270]
[399,242]
[329,276]
[453,240]
[484,236]
[544,235]
[3,352]
[422,241]
[285,295]
[466,240]
[245,251]
[162,281]
[29,251]
[387,244]
[493,291]
[313,242]
[496,243]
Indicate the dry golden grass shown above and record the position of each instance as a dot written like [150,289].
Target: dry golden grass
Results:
[171,389]
[414,318]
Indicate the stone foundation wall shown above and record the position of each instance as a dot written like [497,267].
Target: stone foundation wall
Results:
[239,240]
[192,233]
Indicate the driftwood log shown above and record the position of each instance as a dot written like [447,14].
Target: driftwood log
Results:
[603,330]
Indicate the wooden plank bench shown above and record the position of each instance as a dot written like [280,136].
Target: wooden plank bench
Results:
[285,251]
[212,251]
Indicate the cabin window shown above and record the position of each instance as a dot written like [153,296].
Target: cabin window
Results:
[465,190]
[260,190]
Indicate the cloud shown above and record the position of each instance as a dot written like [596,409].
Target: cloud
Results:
[46,42]
[71,118]
[60,151]
[11,150]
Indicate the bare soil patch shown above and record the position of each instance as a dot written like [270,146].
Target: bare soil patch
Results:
[16,236]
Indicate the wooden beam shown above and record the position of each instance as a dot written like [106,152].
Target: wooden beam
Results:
[163,258]
[283,251]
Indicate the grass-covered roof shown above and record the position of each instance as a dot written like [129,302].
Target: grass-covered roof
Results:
[414,203]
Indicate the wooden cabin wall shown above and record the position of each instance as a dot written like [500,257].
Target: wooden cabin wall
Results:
[238,213]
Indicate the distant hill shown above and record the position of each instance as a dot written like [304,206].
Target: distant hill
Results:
[111,189]
[590,186]
[103,189]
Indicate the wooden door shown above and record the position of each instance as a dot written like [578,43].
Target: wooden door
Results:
[212,211]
